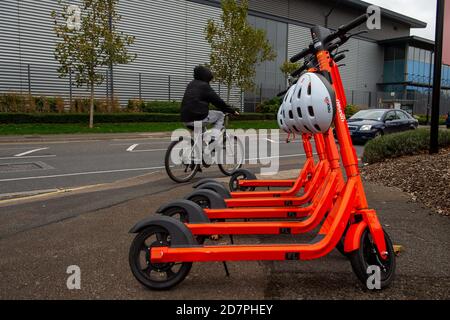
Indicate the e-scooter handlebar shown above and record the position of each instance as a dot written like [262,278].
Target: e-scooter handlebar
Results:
[341,32]
[302,54]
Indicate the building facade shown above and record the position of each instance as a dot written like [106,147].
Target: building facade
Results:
[383,67]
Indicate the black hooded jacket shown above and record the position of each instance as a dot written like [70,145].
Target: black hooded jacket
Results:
[199,95]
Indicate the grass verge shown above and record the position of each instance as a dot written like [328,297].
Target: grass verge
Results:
[29,129]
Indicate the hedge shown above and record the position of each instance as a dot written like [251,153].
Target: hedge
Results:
[402,144]
[423,119]
[21,118]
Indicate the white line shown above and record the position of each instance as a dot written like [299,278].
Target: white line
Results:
[131,148]
[30,157]
[80,174]
[29,152]
[149,150]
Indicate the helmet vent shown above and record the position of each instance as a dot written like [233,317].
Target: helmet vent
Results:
[299,112]
[309,89]
[299,93]
[291,114]
[317,127]
[311,111]
[295,128]
[308,129]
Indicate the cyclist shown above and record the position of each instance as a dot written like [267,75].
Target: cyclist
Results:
[196,100]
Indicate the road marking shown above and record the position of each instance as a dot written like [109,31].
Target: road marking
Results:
[150,150]
[29,152]
[80,174]
[30,157]
[132,147]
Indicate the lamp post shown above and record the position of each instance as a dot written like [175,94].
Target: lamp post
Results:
[434,139]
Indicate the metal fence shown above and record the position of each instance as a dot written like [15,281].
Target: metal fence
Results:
[123,85]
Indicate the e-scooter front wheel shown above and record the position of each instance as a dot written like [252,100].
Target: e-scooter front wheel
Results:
[161,276]
[241,175]
[368,256]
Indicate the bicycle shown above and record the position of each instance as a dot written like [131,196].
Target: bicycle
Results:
[182,162]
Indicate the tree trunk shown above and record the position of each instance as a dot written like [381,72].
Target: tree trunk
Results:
[91,110]
[228,93]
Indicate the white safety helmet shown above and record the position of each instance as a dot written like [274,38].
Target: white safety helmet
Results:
[313,104]
[285,118]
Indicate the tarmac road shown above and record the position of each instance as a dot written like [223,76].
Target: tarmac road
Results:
[61,162]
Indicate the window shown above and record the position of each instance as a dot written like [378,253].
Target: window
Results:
[402,116]
[391,116]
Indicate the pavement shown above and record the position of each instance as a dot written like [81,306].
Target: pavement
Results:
[41,237]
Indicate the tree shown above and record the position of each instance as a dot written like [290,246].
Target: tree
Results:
[288,68]
[236,47]
[89,43]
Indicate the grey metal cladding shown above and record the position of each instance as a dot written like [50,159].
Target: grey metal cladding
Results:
[169,42]
[298,38]
[275,7]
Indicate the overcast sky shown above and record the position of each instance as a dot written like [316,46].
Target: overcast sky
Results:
[424,10]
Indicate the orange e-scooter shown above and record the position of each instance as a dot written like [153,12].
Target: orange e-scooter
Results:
[164,249]
[212,196]
[303,181]
[245,181]
[330,187]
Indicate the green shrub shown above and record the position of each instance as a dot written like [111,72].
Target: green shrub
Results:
[161,107]
[21,118]
[351,110]
[14,102]
[270,106]
[423,119]
[402,144]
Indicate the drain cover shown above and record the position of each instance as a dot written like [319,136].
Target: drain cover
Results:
[20,167]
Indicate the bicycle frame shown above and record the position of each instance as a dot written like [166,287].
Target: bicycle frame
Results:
[350,206]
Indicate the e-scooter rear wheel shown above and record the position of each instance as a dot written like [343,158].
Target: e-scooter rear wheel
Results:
[367,255]
[161,276]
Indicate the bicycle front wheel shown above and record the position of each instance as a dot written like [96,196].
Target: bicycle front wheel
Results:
[179,161]
[232,157]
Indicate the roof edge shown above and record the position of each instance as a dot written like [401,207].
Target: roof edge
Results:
[412,22]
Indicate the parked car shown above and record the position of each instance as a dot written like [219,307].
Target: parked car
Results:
[370,124]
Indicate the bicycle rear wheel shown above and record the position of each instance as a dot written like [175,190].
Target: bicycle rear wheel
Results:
[179,161]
